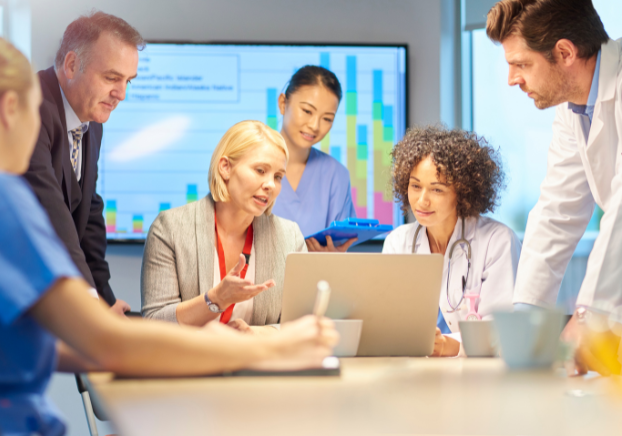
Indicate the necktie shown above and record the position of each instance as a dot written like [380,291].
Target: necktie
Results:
[77,139]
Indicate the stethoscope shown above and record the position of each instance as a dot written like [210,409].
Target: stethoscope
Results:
[472,297]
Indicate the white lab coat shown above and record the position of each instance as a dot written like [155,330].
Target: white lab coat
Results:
[495,250]
[579,174]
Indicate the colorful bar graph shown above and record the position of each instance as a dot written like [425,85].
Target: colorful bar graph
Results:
[271,109]
[383,210]
[111,216]
[335,151]
[357,167]
[368,121]
[382,117]
[387,118]
[137,224]
[361,212]
[325,60]
[325,143]
[192,194]
[361,155]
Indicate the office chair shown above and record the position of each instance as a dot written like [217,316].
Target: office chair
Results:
[91,410]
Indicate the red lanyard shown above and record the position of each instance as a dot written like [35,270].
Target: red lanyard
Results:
[248,245]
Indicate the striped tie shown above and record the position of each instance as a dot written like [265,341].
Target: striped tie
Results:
[77,139]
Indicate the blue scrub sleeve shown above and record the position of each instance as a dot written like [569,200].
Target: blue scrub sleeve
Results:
[32,257]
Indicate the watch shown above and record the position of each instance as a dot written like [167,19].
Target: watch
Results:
[212,306]
[581,314]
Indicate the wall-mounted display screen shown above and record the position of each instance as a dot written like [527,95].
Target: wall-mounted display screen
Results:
[158,143]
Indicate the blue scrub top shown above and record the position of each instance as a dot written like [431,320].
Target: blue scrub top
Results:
[323,195]
[32,258]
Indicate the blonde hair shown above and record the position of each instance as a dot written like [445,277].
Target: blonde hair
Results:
[235,143]
[15,71]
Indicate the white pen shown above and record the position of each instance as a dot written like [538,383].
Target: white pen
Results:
[321,299]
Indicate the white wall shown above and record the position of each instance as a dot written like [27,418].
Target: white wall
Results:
[415,22]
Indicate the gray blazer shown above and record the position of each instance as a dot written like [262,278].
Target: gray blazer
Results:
[178,263]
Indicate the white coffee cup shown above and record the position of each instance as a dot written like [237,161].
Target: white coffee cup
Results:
[349,337]
[479,338]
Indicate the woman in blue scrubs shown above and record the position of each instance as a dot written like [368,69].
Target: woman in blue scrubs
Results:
[316,189]
[49,320]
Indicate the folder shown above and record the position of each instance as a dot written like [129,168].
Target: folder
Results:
[341,231]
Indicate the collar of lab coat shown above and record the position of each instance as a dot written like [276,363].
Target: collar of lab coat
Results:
[609,67]
[422,244]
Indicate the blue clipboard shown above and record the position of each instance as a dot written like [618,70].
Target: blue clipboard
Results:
[341,231]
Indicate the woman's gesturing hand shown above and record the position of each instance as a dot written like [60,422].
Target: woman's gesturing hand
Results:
[314,246]
[234,289]
[301,344]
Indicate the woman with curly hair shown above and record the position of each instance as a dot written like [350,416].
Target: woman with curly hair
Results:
[450,178]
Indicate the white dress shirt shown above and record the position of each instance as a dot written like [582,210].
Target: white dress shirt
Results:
[73,122]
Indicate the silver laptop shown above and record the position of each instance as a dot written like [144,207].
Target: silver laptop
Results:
[396,296]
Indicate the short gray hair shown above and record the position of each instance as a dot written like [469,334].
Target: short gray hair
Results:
[83,32]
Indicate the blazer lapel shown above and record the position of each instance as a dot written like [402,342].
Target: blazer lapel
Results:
[205,239]
[265,269]
[49,76]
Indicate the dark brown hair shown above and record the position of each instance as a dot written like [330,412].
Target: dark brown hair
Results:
[82,33]
[541,23]
[466,160]
[312,75]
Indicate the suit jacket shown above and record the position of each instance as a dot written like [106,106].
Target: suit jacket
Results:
[75,210]
[178,263]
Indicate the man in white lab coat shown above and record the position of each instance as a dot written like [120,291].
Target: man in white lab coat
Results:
[560,55]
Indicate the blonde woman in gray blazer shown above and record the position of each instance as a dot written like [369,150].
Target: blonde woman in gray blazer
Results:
[180,274]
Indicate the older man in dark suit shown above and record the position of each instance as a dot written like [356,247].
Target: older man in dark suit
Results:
[97,58]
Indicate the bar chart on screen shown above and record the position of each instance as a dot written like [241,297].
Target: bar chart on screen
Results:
[158,143]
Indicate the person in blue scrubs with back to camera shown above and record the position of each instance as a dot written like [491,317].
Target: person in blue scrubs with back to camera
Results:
[316,189]
[48,319]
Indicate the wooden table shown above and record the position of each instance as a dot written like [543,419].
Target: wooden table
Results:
[389,396]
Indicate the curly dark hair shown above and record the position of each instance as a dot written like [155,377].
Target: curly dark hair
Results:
[466,160]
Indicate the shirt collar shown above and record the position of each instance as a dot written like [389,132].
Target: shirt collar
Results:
[591,99]
[71,118]
[588,108]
